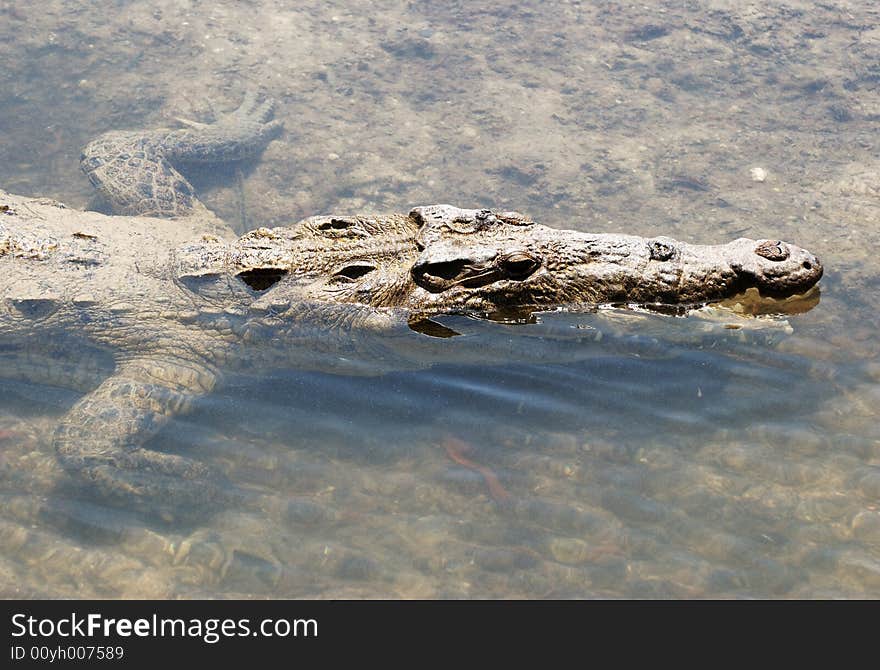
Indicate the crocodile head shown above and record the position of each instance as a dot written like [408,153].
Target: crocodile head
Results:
[443,259]
[476,259]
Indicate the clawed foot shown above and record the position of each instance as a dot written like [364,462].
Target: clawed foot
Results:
[253,118]
[249,111]
[258,112]
[242,133]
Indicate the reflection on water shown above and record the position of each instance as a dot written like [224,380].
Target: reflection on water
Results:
[671,458]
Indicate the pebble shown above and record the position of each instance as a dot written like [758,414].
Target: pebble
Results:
[859,567]
[758,174]
[632,507]
[823,508]
[558,516]
[250,573]
[357,567]
[866,526]
[792,437]
[869,483]
[501,559]
[726,581]
[570,550]
[766,575]
[308,513]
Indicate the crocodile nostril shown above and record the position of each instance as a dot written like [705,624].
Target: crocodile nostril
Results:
[773,250]
[807,265]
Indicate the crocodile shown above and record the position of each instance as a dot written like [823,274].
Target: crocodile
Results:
[134,171]
[145,309]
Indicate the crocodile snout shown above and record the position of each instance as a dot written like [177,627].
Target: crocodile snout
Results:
[779,269]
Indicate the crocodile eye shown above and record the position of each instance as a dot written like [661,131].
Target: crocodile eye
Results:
[518,265]
[342,227]
[660,250]
[773,250]
[262,279]
[339,223]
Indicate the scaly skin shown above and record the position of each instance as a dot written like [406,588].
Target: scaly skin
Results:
[160,308]
[134,170]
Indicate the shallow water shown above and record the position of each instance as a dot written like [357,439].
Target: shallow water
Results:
[672,458]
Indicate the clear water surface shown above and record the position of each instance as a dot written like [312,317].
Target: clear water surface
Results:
[671,458]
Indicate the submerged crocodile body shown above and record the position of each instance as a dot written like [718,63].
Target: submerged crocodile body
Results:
[155,309]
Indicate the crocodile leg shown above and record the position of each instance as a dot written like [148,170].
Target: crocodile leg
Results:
[100,440]
[131,173]
[134,171]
